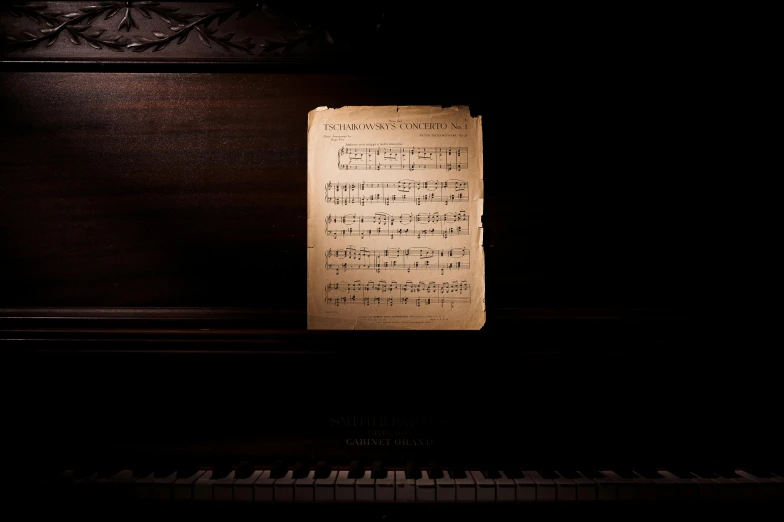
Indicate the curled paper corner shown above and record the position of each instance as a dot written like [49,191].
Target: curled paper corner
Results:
[312,114]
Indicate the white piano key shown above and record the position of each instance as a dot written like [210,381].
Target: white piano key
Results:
[142,486]
[606,488]
[626,487]
[565,489]
[344,487]
[505,489]
[118,483]
[677,488]
[667,487]
[466,489]
[425,488]
[325,488]
[202,488]
[586,489]
[446,489]
[526,488]
[284,487]
[87,481]
[304,488]
[726,488]
[706,488]
[545,488]
[121,477]
[780,480]
[748,488]
[405,488]
[183,487]
[385,488]
[767,487]
[223,488]
[646,487]
[91,478]
[264,487]
[66,475]
[243,487]
[163,486]
[485,487]
[365,488]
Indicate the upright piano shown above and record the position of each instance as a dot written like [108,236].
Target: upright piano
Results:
[154,179]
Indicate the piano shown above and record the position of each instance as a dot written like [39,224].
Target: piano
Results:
[154,363]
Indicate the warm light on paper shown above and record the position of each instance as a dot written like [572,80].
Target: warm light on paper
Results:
[395,198]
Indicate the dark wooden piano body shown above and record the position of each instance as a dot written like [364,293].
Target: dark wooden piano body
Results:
[153,237]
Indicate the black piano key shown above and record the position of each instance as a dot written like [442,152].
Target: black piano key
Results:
[322,470]
[300,470]
[413,471]
[591,473]
[221,470]
[186,470]
[278,470]
[244,470]
[435,471]
[164,469]
[682,473]
[457,471]
[108,471]
[142,470]
[548,474]
[491,473]
[356,471]
[379,471]
[569,474]
[648,473]
[625,473]
[760,473]
[704,473]
[81,473]
[513,473]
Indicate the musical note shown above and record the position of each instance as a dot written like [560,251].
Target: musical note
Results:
[353,258]
[403,158]
[382,224]
[383,293]
[402,191]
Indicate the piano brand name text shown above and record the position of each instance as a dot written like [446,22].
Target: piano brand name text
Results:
[389,442]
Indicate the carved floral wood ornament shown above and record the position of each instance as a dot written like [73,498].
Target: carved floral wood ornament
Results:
[116,26]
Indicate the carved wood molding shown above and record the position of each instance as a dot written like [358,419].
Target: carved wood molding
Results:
[244,32]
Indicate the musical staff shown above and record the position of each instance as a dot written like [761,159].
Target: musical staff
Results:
[382,224]
[353,258]
[382,293]
[403,158]
[403,191]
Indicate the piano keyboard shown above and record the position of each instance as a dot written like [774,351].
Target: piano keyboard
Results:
[433,484]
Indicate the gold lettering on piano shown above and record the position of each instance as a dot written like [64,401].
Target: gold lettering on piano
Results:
[388,430]
[369,442]
[389,442]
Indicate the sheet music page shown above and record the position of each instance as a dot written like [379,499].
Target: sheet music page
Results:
[395,200]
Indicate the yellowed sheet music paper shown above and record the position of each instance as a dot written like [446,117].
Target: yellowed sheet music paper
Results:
[395,198]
